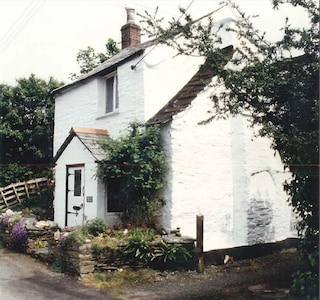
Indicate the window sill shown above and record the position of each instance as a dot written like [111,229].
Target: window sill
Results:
[106,115]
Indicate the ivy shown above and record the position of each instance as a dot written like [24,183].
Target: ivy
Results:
[136,163]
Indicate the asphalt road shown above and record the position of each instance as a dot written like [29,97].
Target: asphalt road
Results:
[22,278]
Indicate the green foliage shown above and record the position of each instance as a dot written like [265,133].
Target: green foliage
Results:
[40,205]
[148,234]
[145,247]
[103,243]
[136,163]
[170,253]
[76,237]
[26,129]
[58,266]
[94,227]
[138,245]
[126,276]
[137,250]
[88,59]
[40,243]
[278,84]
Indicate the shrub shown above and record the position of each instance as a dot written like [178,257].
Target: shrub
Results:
[19,236]
[102,243]
[5,220]
[95,227]
[135,165]
[73,238]
[137,250]
[170,253]
[146,247]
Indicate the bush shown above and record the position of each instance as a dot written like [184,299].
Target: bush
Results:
[103,243]
[146,247]
[19,235]
[94,227]
[5,220]
[73,238]
[170,253]
[135,168]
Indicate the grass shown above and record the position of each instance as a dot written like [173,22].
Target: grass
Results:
[127,276]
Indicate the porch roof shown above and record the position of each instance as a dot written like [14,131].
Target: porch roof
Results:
[89,137]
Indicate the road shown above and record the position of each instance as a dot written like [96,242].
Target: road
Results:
[268,277]
[22,278]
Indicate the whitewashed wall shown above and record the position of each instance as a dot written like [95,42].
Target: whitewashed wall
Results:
[76,153]
[217,170]
[165,74]
[142,92]
[80,106]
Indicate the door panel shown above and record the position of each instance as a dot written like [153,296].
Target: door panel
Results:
[75,196]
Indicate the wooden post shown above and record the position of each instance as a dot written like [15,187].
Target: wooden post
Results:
[199,244]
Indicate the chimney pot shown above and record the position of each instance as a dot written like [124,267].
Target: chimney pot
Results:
[130,32]
[130,15]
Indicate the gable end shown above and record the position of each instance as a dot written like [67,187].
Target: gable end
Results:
[187,94]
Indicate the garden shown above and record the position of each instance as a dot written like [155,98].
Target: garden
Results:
[94,247]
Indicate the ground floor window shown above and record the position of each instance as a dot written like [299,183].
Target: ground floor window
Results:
[115,195]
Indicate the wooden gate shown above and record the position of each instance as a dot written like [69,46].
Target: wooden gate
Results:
[18,192]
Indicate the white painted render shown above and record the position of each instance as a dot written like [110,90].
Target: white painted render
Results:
[80,105]
[76,153]
[165,74]
[219,170]
[142,92]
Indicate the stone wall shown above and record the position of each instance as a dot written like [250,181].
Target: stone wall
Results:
[77,259]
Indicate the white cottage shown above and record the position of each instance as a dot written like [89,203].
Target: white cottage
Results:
[219,170]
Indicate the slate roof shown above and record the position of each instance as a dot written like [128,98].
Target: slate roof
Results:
[187,94]
[109,65]
[89,137]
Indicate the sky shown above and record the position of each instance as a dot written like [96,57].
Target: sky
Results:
[43,37]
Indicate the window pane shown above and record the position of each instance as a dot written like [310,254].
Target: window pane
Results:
[110,83]
[77,183]
[115,195]
[117,95]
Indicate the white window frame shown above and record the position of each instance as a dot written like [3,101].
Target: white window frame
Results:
[113,105]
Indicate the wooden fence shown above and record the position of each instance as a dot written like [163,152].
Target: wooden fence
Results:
[18,192]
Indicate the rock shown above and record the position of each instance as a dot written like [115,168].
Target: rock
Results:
[46,224]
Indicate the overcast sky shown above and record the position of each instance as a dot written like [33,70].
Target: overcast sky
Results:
[44,36]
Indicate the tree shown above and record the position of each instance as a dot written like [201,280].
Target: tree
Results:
[26,129]
[277,83]
[88,59]
[135,166]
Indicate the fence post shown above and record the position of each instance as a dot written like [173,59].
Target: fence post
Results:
[199,244]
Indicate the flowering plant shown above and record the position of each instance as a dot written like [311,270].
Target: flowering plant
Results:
[5,220]
[19,235]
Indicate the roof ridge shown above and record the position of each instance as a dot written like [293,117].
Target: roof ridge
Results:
[77,129]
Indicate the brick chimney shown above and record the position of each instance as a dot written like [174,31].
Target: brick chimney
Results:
[130,32]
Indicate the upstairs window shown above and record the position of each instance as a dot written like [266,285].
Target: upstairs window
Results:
[112,98]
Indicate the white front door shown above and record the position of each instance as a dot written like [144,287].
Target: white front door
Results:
[75,196]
